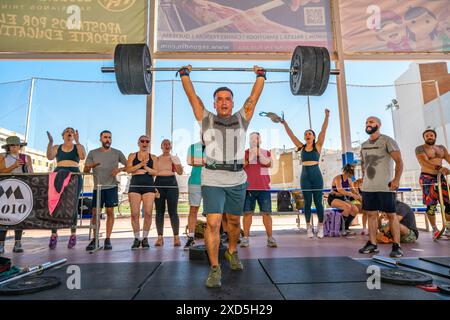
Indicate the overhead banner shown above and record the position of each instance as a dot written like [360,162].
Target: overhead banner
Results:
[24,203]
[401,26]
[242,26]
[71,25]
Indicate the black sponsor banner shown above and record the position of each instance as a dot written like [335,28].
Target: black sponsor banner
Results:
[24,203]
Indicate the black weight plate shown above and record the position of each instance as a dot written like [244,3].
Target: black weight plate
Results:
[326,71]
[445,289]
[121,68]
[199,252]
[309,59]
[130,64]
[296,77]
[138,61]
[315,86]
[398,276]
[29,285]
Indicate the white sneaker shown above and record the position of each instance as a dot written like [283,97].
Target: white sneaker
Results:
[320,232]
[271,242]
[309,232]
[245,242]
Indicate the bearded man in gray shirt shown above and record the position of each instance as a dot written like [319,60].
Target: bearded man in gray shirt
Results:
[104,162]
[378,155]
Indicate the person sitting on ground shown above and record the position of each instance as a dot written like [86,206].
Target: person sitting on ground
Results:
[341,195]
[358,203]
[14,161]
[408,228]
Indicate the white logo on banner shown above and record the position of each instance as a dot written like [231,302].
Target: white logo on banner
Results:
[16,201]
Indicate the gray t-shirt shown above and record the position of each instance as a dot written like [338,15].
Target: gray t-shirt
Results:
[224,144]
[378,163]
[108,160]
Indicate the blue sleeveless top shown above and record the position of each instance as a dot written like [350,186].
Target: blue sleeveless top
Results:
[345,184]
[72,155]
[312,155]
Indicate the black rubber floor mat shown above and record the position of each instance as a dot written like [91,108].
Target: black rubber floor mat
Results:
[315,270]
[441,261]
[355,291]
[426,267]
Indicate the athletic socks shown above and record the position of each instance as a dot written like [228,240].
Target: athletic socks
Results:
[191,234]
[145,234]
[137,234]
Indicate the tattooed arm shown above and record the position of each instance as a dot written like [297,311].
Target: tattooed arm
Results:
[250,103]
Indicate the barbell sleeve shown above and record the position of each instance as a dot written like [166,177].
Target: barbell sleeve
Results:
[151,69]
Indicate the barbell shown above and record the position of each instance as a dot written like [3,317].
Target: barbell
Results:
[309,71]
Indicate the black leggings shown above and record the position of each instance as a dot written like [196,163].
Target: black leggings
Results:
[170,195]
[17,235]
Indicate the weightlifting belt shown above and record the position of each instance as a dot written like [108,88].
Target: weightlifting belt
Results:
[235,167]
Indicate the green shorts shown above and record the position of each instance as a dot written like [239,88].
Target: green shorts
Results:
[224,199]
[410,237]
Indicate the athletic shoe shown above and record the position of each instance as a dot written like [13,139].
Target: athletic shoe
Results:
[136,244]
[396,251]
[72,241]
[447,232]
[107,245]
[145,244]
[245,242]
[320,232]
[53,241]
[271,242]
[435,232]
[214,277]
[309,232]
[91,245]
[369,248]
[349,233]
[233,259]
[2,248]
[189,243]
[18,247]
[159,242]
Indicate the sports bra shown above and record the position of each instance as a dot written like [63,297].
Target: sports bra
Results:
[71,155]
[312,155]
[149,162]
[345,184]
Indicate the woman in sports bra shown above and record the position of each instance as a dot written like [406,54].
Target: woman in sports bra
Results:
[143,166]
[341,196]
[311,180]
[14,161]
[68,156]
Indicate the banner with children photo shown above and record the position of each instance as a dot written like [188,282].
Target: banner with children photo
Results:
[395,26]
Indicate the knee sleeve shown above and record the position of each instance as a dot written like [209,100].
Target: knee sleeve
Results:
[431,210]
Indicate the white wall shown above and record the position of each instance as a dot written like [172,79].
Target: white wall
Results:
[409,122]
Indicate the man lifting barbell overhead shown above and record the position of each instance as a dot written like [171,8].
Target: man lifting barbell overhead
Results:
[223,179]
[430,157]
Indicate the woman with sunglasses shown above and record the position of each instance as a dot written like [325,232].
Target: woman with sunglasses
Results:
[68,156]
[13,161]
[143,166]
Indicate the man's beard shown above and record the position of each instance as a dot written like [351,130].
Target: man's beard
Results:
[371,130]
[430,142]
[106,145]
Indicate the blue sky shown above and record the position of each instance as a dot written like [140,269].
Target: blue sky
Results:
[92,107]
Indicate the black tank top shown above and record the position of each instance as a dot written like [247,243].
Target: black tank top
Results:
[149,162]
